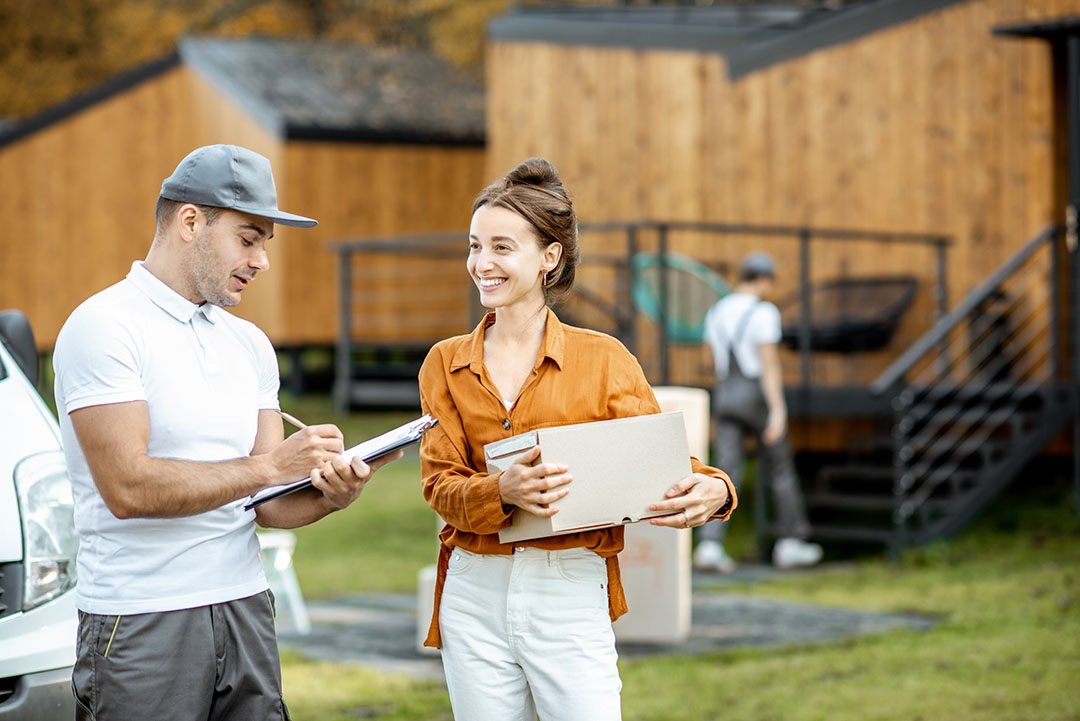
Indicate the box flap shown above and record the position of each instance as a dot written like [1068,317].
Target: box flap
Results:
[509,447]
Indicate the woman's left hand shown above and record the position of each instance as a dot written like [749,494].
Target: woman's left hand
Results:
[692,501]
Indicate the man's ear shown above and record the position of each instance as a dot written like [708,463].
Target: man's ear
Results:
[188,218]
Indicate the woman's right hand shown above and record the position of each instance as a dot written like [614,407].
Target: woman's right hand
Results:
[531,488]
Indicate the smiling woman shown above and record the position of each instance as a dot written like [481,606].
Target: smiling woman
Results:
[522,369]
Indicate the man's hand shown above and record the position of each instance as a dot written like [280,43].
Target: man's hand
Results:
[692,501]
[775,427]
[341,482]
[307,449]
[532,488]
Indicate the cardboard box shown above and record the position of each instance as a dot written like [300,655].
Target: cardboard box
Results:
[619,467]
[655,562]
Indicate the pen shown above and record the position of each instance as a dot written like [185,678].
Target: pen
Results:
[292,419]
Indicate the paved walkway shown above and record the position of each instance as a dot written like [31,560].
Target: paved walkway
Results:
[381,629]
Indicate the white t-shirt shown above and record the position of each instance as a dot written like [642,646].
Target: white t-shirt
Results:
[204,374]
[722,323]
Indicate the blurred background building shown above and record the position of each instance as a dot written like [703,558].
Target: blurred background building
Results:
[911,164]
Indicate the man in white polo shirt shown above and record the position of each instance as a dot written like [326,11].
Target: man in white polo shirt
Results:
[168,409]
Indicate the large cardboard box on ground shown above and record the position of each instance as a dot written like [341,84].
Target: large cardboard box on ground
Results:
[619,467]
[655,562]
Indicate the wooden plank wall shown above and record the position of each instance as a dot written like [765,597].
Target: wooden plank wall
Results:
[930,126]
[77,198]
[360,191]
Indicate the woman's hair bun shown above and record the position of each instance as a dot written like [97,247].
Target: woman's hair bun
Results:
[536,171]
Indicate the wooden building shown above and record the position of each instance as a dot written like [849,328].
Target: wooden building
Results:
[886,115]
[753,126]
[369,141]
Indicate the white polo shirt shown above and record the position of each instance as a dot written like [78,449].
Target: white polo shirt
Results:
[204,375]
[722,323]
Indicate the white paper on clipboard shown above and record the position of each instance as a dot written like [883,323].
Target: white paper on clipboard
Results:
[369,450]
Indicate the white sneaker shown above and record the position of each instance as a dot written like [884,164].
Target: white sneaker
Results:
[710,556]
[793,552]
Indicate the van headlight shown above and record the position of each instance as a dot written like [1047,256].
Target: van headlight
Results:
[48,525]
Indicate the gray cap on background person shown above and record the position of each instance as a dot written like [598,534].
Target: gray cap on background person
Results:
[755,265]
[231,177]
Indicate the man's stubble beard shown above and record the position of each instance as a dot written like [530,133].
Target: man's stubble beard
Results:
[206,273]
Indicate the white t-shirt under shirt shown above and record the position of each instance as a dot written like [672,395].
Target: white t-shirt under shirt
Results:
[722,323]
[204,375]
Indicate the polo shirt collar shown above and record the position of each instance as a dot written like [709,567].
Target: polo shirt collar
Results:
[165,297]
[471,353]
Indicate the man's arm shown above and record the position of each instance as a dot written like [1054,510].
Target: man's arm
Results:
[336,482]
[772,385]
[114,439]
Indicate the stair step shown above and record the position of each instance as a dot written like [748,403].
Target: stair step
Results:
[865,445]
[966,418]
[858,471]
[856,479]
[844,500]
[971,454]
[956,478]
[974,393]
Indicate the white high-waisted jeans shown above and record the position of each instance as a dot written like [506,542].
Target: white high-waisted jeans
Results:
[529,633]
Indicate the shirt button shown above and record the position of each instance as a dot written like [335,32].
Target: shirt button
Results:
[506,424]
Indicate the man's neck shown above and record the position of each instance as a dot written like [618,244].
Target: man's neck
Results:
[167,270]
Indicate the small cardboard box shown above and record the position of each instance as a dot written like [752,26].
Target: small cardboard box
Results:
[619,467]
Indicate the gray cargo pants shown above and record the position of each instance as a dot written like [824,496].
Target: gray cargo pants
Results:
[775,467]
[207,663]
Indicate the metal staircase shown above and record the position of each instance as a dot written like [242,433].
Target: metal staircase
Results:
[974,400]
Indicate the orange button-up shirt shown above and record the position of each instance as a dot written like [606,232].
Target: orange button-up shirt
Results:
[579,376]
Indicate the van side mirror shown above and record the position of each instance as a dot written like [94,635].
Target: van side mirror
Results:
[18,338]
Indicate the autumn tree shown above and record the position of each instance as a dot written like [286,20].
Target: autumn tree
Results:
[53,49]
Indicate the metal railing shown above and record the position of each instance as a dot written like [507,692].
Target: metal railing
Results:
[397,295]
[981,392]
[662,238]
[427,295]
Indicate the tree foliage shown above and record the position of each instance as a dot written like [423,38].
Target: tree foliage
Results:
[52,49]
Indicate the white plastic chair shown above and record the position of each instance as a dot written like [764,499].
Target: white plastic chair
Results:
[276,553]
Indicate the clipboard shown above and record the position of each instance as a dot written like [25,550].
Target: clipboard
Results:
[369,450]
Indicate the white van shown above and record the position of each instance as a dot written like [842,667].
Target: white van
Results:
[38,621]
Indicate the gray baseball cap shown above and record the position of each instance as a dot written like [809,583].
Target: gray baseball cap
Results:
[228,176]
[758,264]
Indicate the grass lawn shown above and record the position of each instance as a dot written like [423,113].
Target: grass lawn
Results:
[380,542]
[1006,594]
